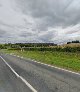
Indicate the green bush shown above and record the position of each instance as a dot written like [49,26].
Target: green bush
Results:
[65,49]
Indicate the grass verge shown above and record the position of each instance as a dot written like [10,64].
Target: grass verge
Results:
[65,60]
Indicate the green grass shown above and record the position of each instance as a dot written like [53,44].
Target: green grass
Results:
[61,59]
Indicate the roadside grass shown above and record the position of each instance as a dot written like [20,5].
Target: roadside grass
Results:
[65,60]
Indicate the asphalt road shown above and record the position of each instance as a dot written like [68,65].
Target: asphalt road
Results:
[41,77]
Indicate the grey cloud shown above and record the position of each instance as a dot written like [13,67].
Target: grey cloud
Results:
[2,33]
[1,5]
[25,34]
[52,12]
[71,32]
[47,36]
[44,14]
[13,26]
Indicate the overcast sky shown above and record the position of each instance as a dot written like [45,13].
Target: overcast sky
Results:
[55,21]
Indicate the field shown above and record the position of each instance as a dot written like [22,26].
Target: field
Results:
[67,60]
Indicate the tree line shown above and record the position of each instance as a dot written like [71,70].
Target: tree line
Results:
[41,47]
[77,41]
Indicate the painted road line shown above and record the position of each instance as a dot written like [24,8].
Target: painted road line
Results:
[14,55]
[23,80]
[10,67]
[18,56]
[57,68]
[21,57]
[54,67]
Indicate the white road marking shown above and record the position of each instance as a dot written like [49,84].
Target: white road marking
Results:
[53,66]
[18,56]
[57,68]
[24,81]
[21,57]
[14,55]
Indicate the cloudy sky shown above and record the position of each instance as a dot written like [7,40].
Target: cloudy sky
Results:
[55,21]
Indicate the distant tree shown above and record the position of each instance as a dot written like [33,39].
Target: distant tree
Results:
[77,41]
[68,42]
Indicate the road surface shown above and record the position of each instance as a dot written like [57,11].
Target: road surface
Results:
[20,75]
